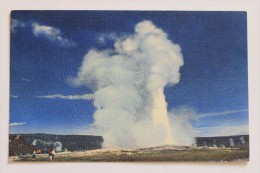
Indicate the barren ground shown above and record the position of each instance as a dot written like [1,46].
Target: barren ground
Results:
[155,154]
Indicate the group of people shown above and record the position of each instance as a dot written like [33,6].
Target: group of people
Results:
[51,154]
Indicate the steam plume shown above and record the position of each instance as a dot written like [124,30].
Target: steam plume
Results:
[58,146]
[231,142]
[242,139]
[128,83]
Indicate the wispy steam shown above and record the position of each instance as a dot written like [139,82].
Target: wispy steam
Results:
[183,130]
[56,145]
[231,142]
[69,97]
[242,139]
[128,83]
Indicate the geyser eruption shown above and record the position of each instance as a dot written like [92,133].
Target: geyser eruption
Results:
[160,115]
[128,83]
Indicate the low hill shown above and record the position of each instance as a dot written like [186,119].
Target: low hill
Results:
[47,141]
[26,143]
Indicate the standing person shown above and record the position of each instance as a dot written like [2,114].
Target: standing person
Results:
[53,153]
[50,154]
[34,154]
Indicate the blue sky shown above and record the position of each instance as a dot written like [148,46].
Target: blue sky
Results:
[47,48]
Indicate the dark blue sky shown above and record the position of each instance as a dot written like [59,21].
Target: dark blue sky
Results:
[213,78]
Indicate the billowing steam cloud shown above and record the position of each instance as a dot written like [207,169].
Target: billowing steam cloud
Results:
[128,83]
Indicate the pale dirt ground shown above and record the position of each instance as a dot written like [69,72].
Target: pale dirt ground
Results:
[114,151]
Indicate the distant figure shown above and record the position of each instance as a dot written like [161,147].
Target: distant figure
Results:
[51,154]
[34,154]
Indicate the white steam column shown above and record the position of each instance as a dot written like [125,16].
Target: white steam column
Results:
[128,81]
[160,116]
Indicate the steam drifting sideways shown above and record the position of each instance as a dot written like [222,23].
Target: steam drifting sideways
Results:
[128,84]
